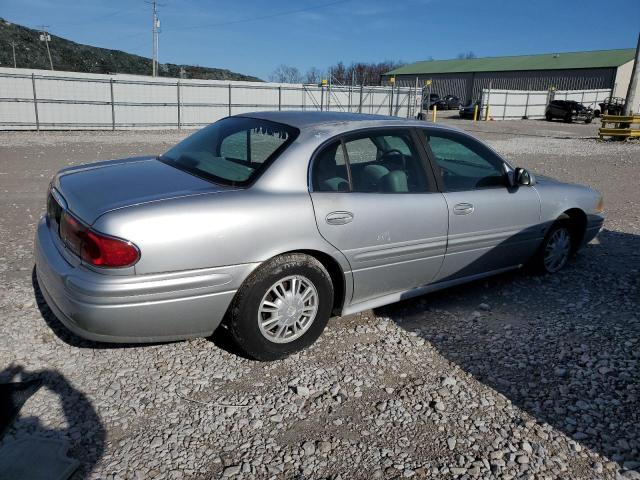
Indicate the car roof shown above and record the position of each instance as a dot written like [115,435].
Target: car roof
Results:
[343,121]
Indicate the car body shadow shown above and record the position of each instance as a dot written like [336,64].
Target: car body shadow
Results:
[565,348]
[84,431]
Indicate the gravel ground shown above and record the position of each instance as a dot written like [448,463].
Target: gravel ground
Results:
[511,377]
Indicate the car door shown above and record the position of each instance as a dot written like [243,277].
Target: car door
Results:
[375,199]
[491,225]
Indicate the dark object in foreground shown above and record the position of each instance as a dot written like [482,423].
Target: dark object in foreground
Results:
[12,397]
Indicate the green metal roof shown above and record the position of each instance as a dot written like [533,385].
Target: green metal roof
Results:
[545,61]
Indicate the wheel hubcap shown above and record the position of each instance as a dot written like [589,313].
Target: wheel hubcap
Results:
[288,309]
[557,250]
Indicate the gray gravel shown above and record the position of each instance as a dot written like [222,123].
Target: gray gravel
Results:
[511,377]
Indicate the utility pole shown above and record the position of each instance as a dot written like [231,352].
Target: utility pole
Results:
[631,100]
[46,38]
[155,27]
[13,46]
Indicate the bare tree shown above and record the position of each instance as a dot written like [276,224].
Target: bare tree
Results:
[359,73]
[286,74]
[313,75]
[466,56]
[362,73]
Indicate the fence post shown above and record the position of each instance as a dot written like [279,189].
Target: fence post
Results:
[526,106]
[279,97]
[178,97]
[113,107]
[360,102]
[35,101]
[397,101]
[329,97]
[504,109]
[391,102]
[321,98]
[229,99]
[486,115]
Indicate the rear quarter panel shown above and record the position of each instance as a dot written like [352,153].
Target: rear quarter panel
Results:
[210,230]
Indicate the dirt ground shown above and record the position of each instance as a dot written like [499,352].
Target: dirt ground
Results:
[511,377]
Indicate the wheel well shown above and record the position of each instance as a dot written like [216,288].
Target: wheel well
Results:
[336,274]
[578,223]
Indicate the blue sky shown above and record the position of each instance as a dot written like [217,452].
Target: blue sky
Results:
[254,36]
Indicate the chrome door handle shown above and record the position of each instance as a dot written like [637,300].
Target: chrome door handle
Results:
[339,218]
[463,209]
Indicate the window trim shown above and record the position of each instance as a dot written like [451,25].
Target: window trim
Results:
[431,179]
[493,157]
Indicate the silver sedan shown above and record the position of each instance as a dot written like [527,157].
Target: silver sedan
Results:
[271,222]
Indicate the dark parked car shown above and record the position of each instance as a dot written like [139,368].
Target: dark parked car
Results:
[427,104]
[568,110]
[468,110]
[449,102]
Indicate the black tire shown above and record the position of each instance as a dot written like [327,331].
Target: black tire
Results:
[568,118]
[587,121]
[549,117]
[420,116]
[242,318]
[537,264]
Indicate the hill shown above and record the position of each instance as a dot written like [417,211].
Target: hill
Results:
[76,57]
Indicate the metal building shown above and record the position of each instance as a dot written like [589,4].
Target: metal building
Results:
[602,69]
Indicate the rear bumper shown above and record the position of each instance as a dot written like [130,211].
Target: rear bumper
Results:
[133,308]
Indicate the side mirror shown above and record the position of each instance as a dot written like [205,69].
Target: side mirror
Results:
[523,177]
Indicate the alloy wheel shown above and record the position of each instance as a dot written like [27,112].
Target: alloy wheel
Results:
[288,309]
[557,250]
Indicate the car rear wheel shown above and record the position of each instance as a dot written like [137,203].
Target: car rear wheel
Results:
[282,307]
[568,118]
[556,249]
[548,117]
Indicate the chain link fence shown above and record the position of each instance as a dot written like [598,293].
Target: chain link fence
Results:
[517,104]
[43,100]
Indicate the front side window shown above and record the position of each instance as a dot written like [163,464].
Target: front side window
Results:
[380,162]
[232,151]
[463,163]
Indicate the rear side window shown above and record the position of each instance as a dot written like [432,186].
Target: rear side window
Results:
[232,151]
[329,171]
[378,162]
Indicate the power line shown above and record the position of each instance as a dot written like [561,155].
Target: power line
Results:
[95,19]
[263,17]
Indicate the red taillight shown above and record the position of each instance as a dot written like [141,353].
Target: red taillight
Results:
[103,251]
[95,248]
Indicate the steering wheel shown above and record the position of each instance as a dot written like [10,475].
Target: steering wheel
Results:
[394,150]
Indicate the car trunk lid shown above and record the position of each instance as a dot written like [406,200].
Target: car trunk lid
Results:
[90,191]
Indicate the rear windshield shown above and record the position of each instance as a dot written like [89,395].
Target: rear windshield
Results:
[232,151]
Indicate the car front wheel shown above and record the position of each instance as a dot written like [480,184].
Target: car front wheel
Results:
[556,249]
[282,307]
